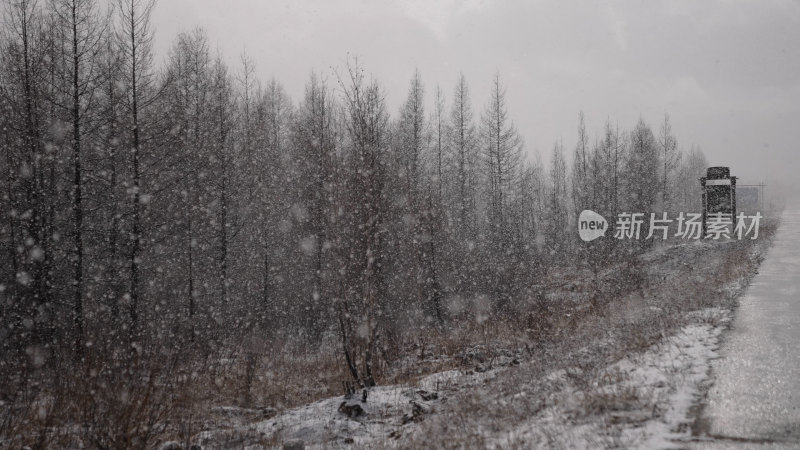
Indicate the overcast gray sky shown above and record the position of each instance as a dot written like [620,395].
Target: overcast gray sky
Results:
[727,72]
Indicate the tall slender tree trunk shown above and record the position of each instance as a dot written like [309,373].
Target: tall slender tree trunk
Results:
[266,291]
[190,275]
[113,239]
[136,228]
[77,189]
[224,235]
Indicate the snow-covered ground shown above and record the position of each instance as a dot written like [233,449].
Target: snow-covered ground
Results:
[644,400]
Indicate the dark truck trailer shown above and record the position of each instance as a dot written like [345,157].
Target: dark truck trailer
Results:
[719,193]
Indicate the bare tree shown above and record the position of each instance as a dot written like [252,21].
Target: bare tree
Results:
[314,140]
[409,187]
[79,25]
[411,136]
[670,159]
[640,172]
[440,139]
[367,129]
[188,96]
[30,171]
[581,175]
[557,210]
[275,117]
[692,167]
[135,38]
[503,152]
[463,147]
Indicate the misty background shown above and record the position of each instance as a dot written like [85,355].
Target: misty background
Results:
[727,72]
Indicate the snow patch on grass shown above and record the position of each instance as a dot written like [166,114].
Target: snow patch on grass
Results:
[643,400]
[676,373]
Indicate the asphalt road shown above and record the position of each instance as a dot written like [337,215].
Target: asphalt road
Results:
[755,398]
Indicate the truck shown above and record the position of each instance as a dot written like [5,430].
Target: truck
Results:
[719,194]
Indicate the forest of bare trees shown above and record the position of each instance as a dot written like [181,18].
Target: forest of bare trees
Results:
[186,208]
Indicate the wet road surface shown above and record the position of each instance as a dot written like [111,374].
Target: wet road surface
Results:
[755,399]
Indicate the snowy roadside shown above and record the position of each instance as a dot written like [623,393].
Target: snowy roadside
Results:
[645,400]
[388,414]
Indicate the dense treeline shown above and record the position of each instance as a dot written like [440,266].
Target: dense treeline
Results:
[192,205]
